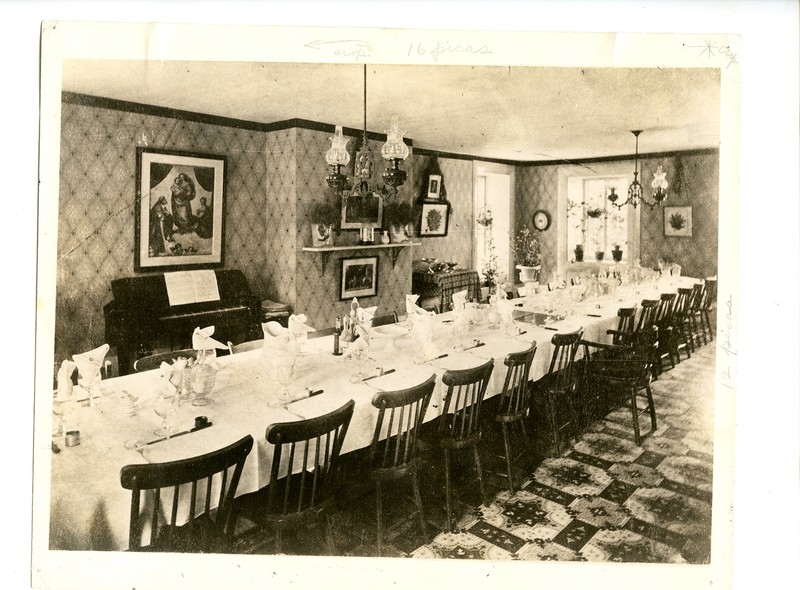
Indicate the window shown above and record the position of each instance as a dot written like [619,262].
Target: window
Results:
[593,222]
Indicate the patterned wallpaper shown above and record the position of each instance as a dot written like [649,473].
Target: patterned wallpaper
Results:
[273,178]
[96,207]
[694,180]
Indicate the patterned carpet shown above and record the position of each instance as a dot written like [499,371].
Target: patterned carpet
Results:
[603,500]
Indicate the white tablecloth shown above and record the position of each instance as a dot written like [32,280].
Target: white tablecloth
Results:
[89,508]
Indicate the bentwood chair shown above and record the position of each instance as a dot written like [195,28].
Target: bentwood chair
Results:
[515,400]
[148,363]
[382,320]
[393,453]
[302,483]
[557,387]
[459,424]
[208,528]
[625,325]
[625,370]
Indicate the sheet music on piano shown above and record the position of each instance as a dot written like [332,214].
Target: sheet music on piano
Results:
[191,286]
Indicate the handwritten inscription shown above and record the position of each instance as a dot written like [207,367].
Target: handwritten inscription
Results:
[712,49]
[443,48]
[726,344]
[354,49]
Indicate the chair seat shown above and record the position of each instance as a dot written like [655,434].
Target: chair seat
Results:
[460,443]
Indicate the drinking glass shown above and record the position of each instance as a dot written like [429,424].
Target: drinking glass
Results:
[460,331]
[164,405]
[201,380]
[360,356]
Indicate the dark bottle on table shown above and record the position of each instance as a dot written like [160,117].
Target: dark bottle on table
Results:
[337,351]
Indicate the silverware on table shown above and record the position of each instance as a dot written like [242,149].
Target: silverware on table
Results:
[381,374]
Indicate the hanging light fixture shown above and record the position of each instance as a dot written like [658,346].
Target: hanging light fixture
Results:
[635,191]
[394,151]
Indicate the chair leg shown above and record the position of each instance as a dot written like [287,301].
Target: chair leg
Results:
[652,406]
[329,535]
[447,490]
[418,501]
[551,414]
[635,414]
[504,427]
[479,469]
[379,516]
[278,540]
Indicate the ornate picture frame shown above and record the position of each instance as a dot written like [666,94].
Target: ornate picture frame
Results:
[362,211]
[179,210]
[358,277]
[434,219]
[678,222]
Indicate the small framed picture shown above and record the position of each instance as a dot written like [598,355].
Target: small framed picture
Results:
[678,222]
[434,219]
[359,277]
[434,186]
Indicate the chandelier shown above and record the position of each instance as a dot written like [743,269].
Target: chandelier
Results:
[635,191]
[394,151]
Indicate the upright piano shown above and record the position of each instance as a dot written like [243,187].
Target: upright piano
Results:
[141,317]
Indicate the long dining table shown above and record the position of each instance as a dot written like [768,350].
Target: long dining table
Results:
[89,509]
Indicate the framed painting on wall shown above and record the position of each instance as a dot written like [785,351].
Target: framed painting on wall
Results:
[433,219]
[359,277]
[180,210]
[678,222]
[434,186]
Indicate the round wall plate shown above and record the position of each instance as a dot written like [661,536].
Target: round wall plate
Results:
[541,220]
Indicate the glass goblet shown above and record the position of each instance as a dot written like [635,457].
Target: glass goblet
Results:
[201,380]
[460,331]
[164,405]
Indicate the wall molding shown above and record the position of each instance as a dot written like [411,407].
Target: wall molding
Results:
[157,111]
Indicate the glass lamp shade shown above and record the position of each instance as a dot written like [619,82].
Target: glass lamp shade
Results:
[338,154]
[660,185]
[394,148]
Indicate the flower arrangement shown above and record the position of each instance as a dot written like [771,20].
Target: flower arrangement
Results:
[326,212]
[484,218]
[527,248]
[397,213]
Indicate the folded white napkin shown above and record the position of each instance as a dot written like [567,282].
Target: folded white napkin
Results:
[365,315]
[412,308]
[64,379]
[297,324]
[172,374]
[202,340]
[89,364]
[273,329]
[361,343]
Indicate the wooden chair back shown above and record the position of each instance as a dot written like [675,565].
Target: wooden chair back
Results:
[682,302]
[307,451]
[148,363]
[382,320]
[696,300]
[460,421]
[666,308]
[400,414]
[560,374]
[625,325]
[514,399]
[649,314]
[709,294]
[158,478]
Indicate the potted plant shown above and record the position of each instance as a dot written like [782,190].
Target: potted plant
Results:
[599,255]
[579,253]
[616,253]
[325,216]
[397,215]
[526,248]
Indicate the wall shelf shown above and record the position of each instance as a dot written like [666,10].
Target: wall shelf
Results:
[394,250]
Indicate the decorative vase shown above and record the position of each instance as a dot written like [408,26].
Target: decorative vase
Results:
[599,255]
[529,274]
[616,253]
[578,255]
[385,238]
[322,234]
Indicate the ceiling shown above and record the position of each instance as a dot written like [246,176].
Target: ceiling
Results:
[508,113]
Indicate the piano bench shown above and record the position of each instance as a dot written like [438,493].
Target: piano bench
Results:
[272,311]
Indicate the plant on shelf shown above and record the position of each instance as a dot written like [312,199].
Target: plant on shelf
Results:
[397,215]
[617,252]
[579,253]
[325,216]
